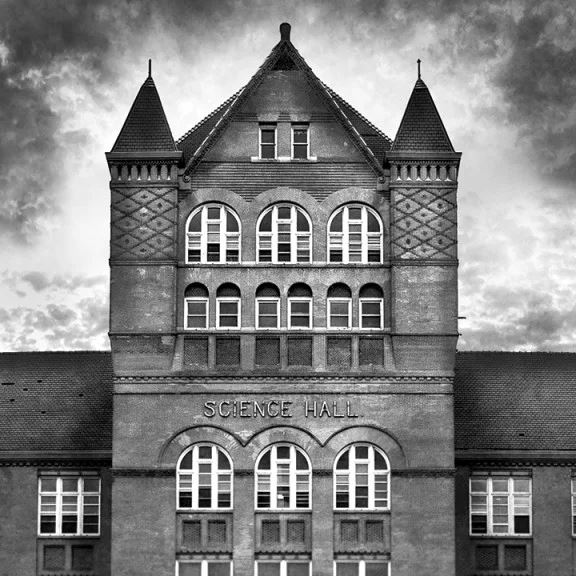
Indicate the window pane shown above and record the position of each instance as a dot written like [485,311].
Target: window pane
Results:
[297,569]
[347,568]
[218,569]
[48,484]
[376,569]
[267,135]
[268,568]
[231,222]
[189,569]
[301,151]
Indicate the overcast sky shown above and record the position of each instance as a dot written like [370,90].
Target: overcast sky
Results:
[502,73]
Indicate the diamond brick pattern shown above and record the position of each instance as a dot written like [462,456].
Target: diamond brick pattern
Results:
[424,224]
[143,223]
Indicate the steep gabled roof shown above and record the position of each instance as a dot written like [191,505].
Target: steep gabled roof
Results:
[421,128]
[284,56]
[146,128]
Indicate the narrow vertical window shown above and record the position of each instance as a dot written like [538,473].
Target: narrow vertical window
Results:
[355,235]
[195,307]
[213,235]
[228,306]
[573,506]
[299,307]
[339,306]
[284,235]
[300,141]
[268,141]
[204,478]
[371,307]
[267,306]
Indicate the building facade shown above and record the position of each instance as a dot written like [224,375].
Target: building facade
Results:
[281,396]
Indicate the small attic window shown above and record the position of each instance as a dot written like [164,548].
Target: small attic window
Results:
[268,141]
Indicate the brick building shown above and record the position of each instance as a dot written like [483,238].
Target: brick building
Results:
[283,395]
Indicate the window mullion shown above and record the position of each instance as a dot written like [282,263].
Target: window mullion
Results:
[345,236]
[274,237]
[293,236]
[371,478]
[204,235]
[490,508]
[223,234]
[80,506]
[195,478]
[213,477]
[511,506]
[364,233]
[273,479]
[59,497]
[352,477]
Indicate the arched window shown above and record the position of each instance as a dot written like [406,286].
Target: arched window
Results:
[299,306]
[195,307]
[371,307]
[267,306]
[355,235]
[339,306]
[228,306]
[283,478]
[213,235]
[204,478]
[361,479]
[284,235]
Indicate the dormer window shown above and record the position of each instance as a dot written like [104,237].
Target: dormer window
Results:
[268,141]
[300,142]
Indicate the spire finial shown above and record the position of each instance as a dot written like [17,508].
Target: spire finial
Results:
[149,67]
[419,62]
[285,31]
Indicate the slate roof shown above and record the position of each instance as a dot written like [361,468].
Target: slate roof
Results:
[515,401]
[146,128]
[51,401]
[421,128]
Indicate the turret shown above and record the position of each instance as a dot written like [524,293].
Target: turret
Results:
[144,184]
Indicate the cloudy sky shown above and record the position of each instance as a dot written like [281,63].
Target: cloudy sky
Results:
[502,73]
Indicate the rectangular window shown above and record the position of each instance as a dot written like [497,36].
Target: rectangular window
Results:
[69,505]
[196,313]
[283,568]
[299,313]
[267,312]
[339,313]
[500,505]
[371,313]
[300,142]
[268,141]
[361,568]
[204,568]
[573,506]
[228,312]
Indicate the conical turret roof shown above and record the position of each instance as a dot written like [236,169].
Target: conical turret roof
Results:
[421,128]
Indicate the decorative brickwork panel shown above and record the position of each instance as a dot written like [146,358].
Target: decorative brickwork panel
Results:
[54,558]
[299,351]
[270,532]
[192,534]
[143,223]
[371,351]
[296,532]
[515,558]
[196,351]
[374,531]
[339,352]
[267,351]
[486,557]
[227,351]
[424,223]
[82,558]
[349,531]
[216,532]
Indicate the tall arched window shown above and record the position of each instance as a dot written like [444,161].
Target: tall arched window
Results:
[213,235]
[355,235]
[371,307]
[299,307]
[195,306]
[228,306]
[204,478]
[361,479]
[267,306]
[339,306]
[283,478]
[284,235]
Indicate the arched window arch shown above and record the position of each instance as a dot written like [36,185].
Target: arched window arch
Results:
[339,306]
[228,306]
[299,306]
[355,235]
[284,235]
[196,306]
[267,306]
[204,478]
[371,307]
[283,475]
[213,235]
[361,479]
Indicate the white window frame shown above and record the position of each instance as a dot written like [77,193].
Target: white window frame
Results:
[573,486]
[191,300]
[350,476]
[273,472]
[58,495]
[299,299]
[295,235]
[365,235]
[293,143]
[226,237]
[267,300]
[476,508]
[266,127]
[361,315]
[225,300]
[332,301]
[361,565]
[204,565]
[194,480]
[283,565]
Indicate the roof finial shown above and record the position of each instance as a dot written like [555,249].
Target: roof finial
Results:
[418,61]
[149,67]
[285,31]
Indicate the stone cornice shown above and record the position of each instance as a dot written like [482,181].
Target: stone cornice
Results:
[515,458]
[143,473]
[422,156]
[424,473]
[143,157]
[69,458]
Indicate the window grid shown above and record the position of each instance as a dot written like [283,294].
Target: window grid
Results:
[573,506]
[268,142]
[299,313]
[361,568]
[361,479]
[500,505]
[300,142]
[213,235]
[283,479]
[371,313]
[267,313]
[203,568]
[284,235]
[355,236]
[204,479]
[339,313]
[227,312]
[195,313]
[283,568]
[69,506]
